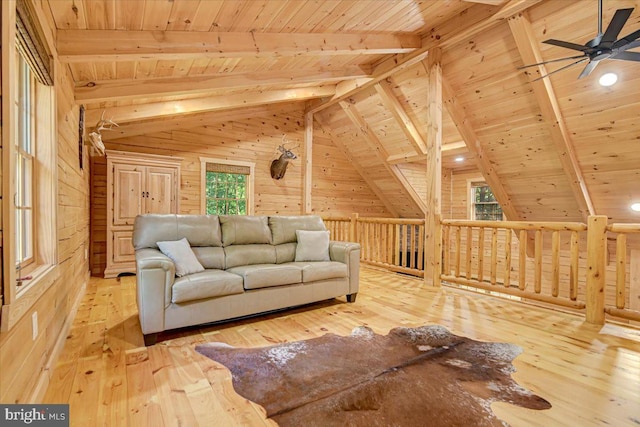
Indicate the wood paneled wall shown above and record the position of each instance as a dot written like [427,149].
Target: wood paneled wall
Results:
[337,188]
[25,363]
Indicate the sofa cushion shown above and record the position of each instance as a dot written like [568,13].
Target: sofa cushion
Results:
[207,284]
[283,228]
[285,252]
[267,275]
[210,256]
[200,230]
[244,230]
[321,270]
[249,254]
[312,245]
[182,256]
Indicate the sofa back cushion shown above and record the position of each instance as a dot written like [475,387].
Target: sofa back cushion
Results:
[210,256]
[199,230]
[245,230]
[283,228]
[249,254]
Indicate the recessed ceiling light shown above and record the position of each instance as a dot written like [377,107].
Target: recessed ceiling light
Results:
[608,79]
[459,159]
[635,207]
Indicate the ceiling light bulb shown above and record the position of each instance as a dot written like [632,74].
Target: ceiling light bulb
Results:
[635,207]
[459,159]
[608,79]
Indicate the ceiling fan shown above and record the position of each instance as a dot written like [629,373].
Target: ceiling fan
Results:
[603,46]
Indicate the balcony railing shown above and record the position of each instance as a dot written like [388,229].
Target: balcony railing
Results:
[567,264]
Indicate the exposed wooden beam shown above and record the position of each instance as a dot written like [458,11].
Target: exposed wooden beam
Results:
[307,166]
[338,142]
[393,105]
[452,148]
[491,2]
[109,90]
[529,50]
[116,45]
[188,121]
[375,144]
[470,138]
[433,211]
[467,24]
[131,113]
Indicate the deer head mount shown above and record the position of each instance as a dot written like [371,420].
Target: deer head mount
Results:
[279,165]
[95,137]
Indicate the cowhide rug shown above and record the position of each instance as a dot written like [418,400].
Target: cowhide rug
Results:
[423,376]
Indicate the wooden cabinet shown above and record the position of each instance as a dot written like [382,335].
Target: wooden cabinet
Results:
[136,184]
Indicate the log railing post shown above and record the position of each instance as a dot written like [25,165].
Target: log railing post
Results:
[353,228]
[596,267]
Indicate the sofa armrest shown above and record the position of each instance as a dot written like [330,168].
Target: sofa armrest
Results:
[155,273]
[348,253]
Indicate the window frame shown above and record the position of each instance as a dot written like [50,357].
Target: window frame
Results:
[472,184]
[203,181]
[16,298]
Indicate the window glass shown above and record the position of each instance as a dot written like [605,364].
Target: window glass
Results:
[485,207]
[226,193]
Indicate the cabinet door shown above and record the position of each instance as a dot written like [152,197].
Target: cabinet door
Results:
[123,246]
[161,186]
[128,184]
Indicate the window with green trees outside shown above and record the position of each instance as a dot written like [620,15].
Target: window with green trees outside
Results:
[485,207]
[226,193]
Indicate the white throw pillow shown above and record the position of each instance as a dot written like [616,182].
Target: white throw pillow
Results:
[312,245]
[182,256]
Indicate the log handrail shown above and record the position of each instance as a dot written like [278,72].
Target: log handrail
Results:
[551,263]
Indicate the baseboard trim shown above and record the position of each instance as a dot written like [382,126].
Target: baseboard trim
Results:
[45,375]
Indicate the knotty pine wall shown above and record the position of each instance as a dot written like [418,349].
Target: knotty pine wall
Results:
[337,188]
[25,364]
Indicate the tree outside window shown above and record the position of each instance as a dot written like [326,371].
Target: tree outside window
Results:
[227,187]
[484,207]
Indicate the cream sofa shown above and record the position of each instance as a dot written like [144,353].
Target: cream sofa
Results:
[249,264]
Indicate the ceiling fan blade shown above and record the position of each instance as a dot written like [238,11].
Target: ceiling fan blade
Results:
[628,39]
[627,56]
[551,60]
[588,69]
[568,45]
[615,26]
[561,68]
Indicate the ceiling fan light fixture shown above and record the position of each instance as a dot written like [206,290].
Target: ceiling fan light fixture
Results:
[635,207]
[608,79]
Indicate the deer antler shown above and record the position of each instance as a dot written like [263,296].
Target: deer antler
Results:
[96,138]
[105,124]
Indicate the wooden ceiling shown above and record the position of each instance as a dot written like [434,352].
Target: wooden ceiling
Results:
[555,149]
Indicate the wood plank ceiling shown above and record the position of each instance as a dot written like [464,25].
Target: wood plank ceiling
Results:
[556,149]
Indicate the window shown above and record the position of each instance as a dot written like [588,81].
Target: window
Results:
[227,187]
[24,150]
[484,205]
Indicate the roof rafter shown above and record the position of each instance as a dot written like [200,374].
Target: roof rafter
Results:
[117,45]
[474,20]
[132,113]
[109,90]
[375,144]
[404,121]
[543,91]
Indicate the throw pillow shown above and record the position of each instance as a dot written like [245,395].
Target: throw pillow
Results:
[182,256]
[312,245]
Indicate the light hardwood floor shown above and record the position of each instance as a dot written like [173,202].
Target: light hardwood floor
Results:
[590,374]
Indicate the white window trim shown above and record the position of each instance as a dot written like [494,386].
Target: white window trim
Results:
[203,181]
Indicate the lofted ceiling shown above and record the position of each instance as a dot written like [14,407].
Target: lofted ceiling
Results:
[553,149]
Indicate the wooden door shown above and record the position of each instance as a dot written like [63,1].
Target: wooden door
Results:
[160,192]
[128,185]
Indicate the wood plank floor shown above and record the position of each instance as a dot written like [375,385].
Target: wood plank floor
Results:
[590,374]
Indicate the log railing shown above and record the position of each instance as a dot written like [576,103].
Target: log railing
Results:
[623,300]
[392,243]
[567,264]
[493,256]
